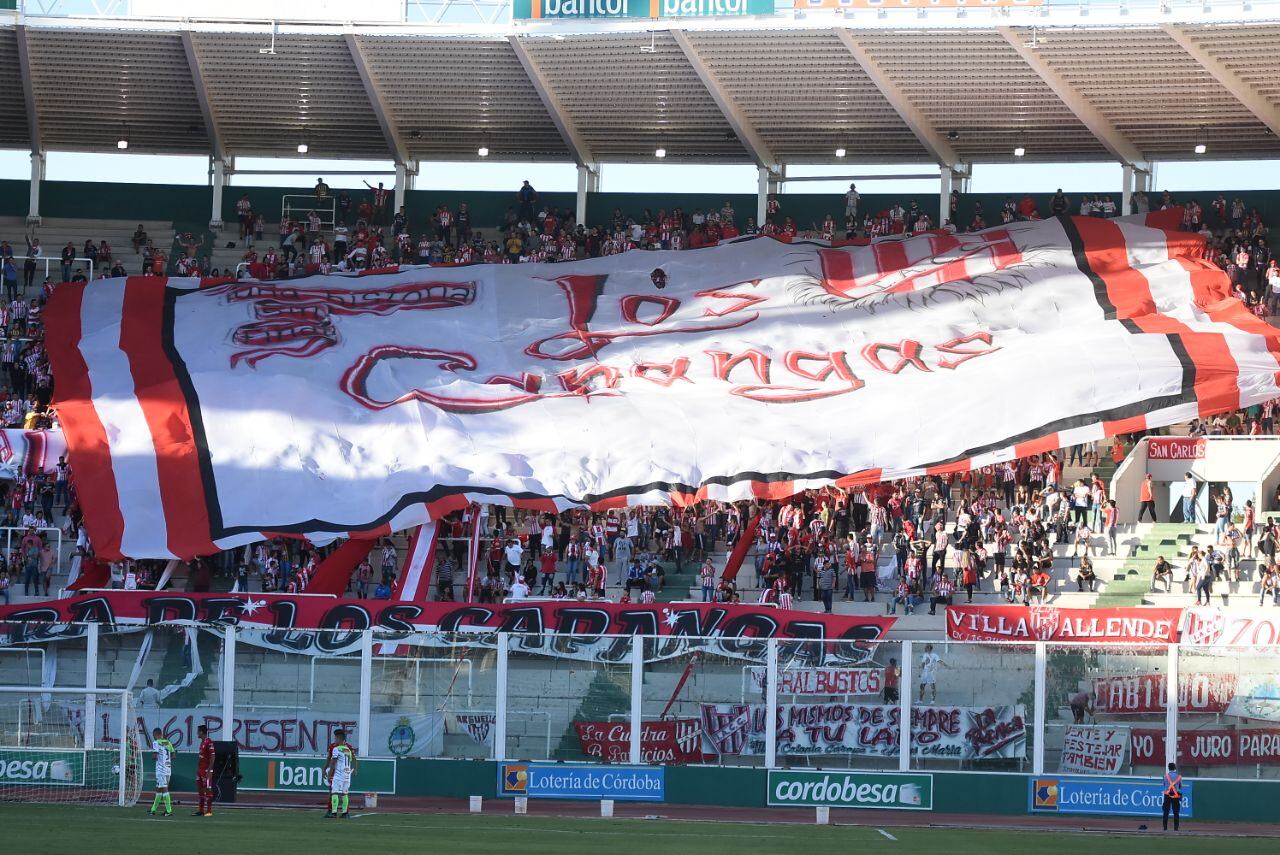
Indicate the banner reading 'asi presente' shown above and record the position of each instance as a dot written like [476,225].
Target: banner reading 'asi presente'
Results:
[201,418]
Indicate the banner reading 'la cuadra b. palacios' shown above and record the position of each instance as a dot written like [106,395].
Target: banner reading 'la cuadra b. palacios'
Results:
[201,417]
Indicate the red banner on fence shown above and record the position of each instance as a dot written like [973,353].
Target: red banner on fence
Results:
[1209,747]
[1146,694]
[670,741]
[1049,623]
[1212,626]
[1175,448]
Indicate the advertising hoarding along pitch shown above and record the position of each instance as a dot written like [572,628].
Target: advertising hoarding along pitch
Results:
[569,781]
[882,790]
[1102,796]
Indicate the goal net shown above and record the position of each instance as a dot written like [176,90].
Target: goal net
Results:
[66,746]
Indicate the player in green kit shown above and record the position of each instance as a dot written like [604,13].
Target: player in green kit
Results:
[338,772]
[164,751]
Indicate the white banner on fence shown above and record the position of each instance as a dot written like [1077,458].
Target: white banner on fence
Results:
[277,731]
[1093,750]
[823,681]
[960,733]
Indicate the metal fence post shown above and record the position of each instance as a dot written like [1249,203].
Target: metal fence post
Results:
[771,704]
[366,692]
[637,691]
[91,683]
[905,684]
[1171,706]
[229,683]
[1041,693]
[500,701]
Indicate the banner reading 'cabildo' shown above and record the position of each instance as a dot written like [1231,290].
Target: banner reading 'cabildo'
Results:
[201,417]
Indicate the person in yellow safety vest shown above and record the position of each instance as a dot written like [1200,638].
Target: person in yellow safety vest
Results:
[1172,796]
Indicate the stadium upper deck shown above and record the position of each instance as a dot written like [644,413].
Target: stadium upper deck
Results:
[951,86]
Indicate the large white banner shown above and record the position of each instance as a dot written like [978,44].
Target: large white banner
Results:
[274,731]
[204,417]
[957,733]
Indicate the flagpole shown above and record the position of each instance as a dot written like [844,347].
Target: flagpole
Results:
[473,554]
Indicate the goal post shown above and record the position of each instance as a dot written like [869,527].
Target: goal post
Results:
[69,746]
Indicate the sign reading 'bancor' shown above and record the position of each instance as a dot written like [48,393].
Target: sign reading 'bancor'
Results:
[851,790]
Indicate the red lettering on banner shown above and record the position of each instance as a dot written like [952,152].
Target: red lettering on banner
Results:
[907,350]
[631,304]
[578,380]
[670,372]
[723,363]
[741,301]
[953,346]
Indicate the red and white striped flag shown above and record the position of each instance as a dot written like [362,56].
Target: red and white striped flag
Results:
[200,418]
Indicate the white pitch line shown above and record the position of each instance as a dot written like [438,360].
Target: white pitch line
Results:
[886,834]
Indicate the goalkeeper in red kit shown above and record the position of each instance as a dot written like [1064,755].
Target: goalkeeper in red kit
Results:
[204,773]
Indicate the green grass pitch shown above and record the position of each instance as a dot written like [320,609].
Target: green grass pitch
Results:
[53,830]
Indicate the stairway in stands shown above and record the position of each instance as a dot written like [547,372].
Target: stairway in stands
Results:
[1131,582]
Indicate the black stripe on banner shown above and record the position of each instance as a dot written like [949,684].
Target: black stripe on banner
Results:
[1082,262]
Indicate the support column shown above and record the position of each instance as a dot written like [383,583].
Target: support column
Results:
[228,681]
[37,176]
[402,184]
[762,195]
[1171,706]
[1144,180]
[771,704]
[221,171]
[91,683]
[905,685]
[1042,659]
[944,195]
[637,696]
[1126,189]
[363,718]
[588,182]
[500,700]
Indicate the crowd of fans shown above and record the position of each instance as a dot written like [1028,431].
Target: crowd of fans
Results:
[365,235]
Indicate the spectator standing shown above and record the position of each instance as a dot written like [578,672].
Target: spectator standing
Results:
[892,679]
[826,583]
[527,197]
[851,202]
[1146,499]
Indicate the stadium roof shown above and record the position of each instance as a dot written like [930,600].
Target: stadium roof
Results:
[949,88]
